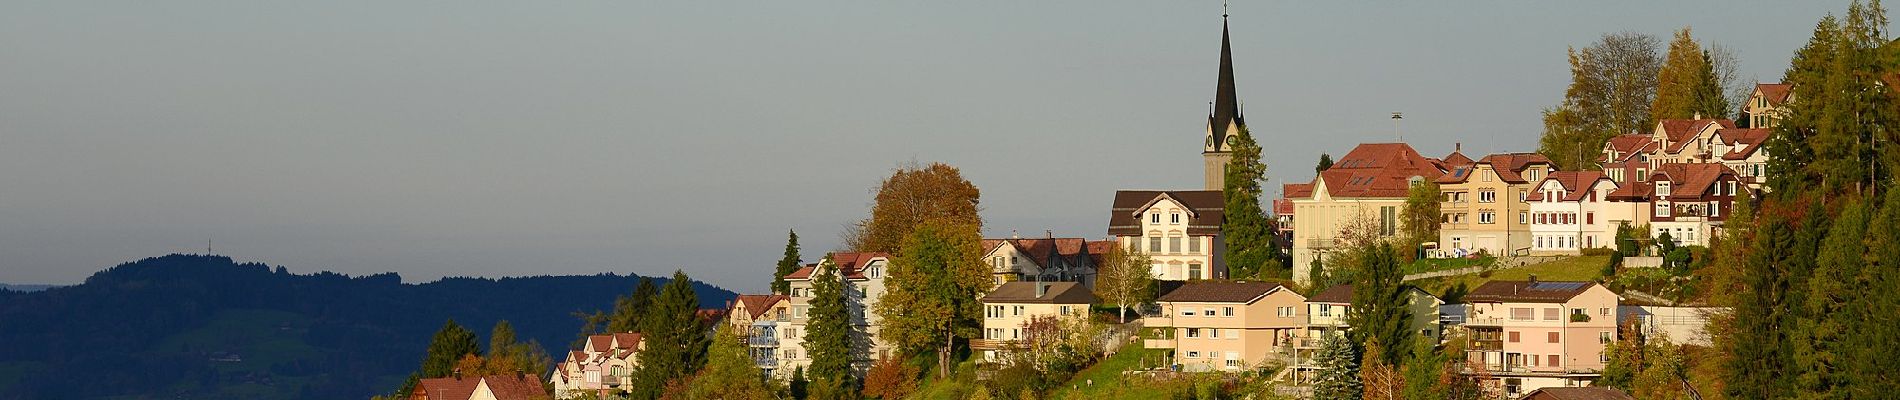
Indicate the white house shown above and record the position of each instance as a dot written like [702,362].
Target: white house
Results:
[1571,211]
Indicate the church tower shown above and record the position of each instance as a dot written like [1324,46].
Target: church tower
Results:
[1224,122]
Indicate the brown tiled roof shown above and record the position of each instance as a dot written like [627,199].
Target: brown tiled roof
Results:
[1043,249]
[847,263]
[627,340]
[600,342]
[1527,291]
[1680,131]
[1775,92]
[1576,183]
[1629,145]
[1097,248]
[1205,208]
[514,387]
[1631,191]
[1282,206]
[1690,180]
[1577,393]
[1057,293]
[758,304]
[1377,170]
[1457,158]
[1336,294]
[1219,292]
[1744,142]
[449,388]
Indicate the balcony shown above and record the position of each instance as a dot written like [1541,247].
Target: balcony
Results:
[762,341]
[1487,345]
[1308,343]
[1167,343]
[765,362]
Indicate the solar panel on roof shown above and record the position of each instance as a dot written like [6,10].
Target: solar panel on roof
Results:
[1557,285]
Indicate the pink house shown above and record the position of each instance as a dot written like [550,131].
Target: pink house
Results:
[1530,334]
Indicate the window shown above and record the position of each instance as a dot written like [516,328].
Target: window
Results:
[1213,333]
[1523,314]
[1603,337]
[1325,310]
[1603,357]
[1227,311]
[1194,245]
[1193,333]
[1488,196]
[1207,312]
[1194,273]
[1154,244]
[1552,337]
[1662,209]
[1487,177]
[1513,337]
[1715,209]
[1174,218]
[1154,218]
[1524,196]
[1231,362]
[1065,310]
[1523,217]
[1662,189]
[1187,312]
[1194,354]
[1016,311]
[1487,217]
[1550,314]
[1604,311]
[798,311]
[1388,220]
[1590,218]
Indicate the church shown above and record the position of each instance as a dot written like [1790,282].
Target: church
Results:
[1181,229]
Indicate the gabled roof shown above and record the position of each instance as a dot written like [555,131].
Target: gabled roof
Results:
[600,342]
[1776,93]
[1680,131]
[1457,158]
[451,388]
[1098,248]
[1220,292]
[849,265]
[758,304]
[1576,184]
[1628,146]
[1294,190]
[1044,249]
[1577,393]
[1055,293]
[1527,291]
[504,387]
[1690,180]
[627,340]
[1631,191]
[1342,294]
[1743,142]
[1377,170]
[1206,207]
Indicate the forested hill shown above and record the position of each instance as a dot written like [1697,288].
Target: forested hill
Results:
[190,326]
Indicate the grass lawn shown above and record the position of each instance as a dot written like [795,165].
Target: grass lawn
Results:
[1440,264]
[1583,268]
[1110,383]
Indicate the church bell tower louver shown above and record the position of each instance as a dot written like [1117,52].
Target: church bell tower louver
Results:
[1224,122]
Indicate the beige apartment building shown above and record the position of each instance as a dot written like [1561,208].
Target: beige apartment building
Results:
[756,319]
[1764,106]
[864,275]
[1227,326]
[1364,190]
[1486,204]
[1326,315]
[1179,229]
[1531,334]
[1008,310]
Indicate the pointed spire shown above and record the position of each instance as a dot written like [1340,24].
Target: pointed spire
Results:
[1226,102]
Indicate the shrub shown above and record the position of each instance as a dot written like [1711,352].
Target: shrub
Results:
[1598,251]
[1579,317]
[891,378]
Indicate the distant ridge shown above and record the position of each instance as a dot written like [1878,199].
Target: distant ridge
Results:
[25,288]
[197,326]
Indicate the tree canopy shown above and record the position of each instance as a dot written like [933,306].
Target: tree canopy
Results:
[1251,253]
[911,196]
[1612,83]
[931,298]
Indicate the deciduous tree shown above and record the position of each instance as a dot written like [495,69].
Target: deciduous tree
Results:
[1125,278]
[1421,215]
[730,373]
[1612,83]
[931,293]
[1687,85]
[911,196]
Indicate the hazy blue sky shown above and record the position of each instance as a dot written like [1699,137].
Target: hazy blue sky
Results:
[524,138]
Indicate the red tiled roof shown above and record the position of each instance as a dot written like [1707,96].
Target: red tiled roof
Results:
[1744,142]
[514,387]
[1690,180]
[1042,249]
[1377,170]
[1205,208]
[1293,190]
[1631,191]
[1457,158]
[449,388]
[1282,206]
[1510,166]
[1097,248]
[600,342]
[1527,291]
[758,304]
[1335,294]
[627,340]
[1575,183]
[1680,131]
[1577,393]
[847,263]
[1775,92]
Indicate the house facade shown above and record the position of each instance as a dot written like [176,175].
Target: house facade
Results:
[1764,107]
[1531,334]
[1048,259]
[1486,204]
[603,365]
[756,319]
[1009,309]
[1226,326]
[1689,202]
[1571,211]
[1364,191]
[1180,230]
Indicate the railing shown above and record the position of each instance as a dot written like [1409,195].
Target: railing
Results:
[987,344]
[1487,345]
[765,362]
[1308,343]
[763,341]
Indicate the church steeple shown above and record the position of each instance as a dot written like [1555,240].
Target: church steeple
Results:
[1224,122]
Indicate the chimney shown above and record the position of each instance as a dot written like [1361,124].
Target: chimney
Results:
[1049,234]
[1698,115]
[458,374]
[521,374]
[1533,280]
[1013,235]
[1458,147]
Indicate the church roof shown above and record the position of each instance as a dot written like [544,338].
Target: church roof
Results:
[1226,102]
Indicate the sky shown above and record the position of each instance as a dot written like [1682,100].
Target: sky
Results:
[505,138]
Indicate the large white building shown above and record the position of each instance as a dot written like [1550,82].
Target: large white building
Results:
[1180,230]
[1571,211]
[863,275]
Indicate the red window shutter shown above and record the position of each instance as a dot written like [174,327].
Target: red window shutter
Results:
[1553,361]
[1513,337]
[1553,337]
[1590,218]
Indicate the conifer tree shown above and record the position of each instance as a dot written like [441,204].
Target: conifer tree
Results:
[1423,372]
[1251,253]
[1820,354]
[1687,85]
[674,338]
[1379,313]
[629,309]
[1325,163]
[828,336]
[450,344]
[1338,371]
[786,265]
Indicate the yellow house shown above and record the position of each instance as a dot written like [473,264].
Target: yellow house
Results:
[1008,310]
[1764,106]
[1365,190]
[1485,205]
[1226,326]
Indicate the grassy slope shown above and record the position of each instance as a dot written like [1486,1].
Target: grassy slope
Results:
[1585,268]
[1109,382]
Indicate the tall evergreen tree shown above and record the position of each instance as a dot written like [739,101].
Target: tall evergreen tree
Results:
[629,309]
[1338,368]
[1819,353]
[1325,163]
[1379,314]
[1251,252]
[786,265]
[828,336]
[674,338]
[1687,85]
